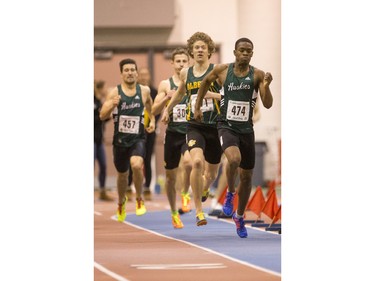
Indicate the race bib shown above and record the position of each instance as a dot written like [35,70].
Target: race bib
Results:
[207,104]
[129,124]
[238,111]
[179,113]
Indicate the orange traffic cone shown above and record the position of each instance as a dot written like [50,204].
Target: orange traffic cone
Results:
[271,206]
[277,216]
[256,202]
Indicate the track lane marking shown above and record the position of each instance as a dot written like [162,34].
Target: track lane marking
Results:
[202,248]
[108,272]
[179,266]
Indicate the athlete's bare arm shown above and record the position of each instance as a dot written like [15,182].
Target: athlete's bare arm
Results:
[163,96]
[177,96]
[264,80]
[112,100]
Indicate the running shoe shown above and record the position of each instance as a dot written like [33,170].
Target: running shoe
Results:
[121,213]
[205,195]
[200,219]
[240,225]
[185,202]
[176,221]
[140,208]
[228,203]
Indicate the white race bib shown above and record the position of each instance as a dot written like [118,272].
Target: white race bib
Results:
[179,113]
[129,124]
[238,110]
[207,104]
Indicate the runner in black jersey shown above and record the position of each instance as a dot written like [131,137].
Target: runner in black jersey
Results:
[175,137]
[202,138]
[127,103]
[241,83]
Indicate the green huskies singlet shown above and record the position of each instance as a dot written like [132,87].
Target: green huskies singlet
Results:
[210,107]
[177,118]
[238,98]
[129,119]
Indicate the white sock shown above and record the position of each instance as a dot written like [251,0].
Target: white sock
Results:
[238,216]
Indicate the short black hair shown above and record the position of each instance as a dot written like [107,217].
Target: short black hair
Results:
[243,39]
[127,61]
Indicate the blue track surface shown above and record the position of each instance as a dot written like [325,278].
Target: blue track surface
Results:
[262,249]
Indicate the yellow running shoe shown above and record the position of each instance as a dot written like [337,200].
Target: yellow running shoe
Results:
[185,202]
[176,221]
[140,208]
[200,219]
[205,195]
[121,213]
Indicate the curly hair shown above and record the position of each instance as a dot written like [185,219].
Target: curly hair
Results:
[200,36]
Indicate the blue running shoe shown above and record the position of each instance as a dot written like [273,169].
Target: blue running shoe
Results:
[240,225]
[228,204]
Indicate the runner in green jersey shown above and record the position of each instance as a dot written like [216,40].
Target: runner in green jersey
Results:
[127,102]
[241,83]
[202,138]
[175,137]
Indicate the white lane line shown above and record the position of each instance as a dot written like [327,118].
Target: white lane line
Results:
[205,249]
[110,273]
[247,226]
[179,266]
[98,213]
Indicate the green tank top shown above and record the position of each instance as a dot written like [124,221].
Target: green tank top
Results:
[238,98]
[177,118]
[210,107]
[129,119]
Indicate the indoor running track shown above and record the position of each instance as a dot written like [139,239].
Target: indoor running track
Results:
[149,248]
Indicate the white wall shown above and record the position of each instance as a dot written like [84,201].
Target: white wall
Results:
[226,21]
[217,18]
[261,22]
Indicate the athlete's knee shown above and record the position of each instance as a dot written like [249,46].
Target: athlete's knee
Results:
[136,164]
[137,167]
[198,164]
[234,162]
[170,182]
